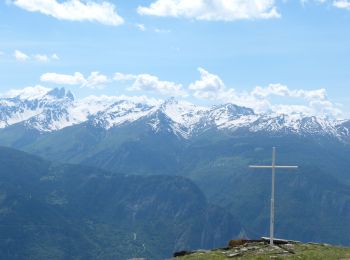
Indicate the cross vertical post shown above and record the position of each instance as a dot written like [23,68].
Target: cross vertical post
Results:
[272,209]
[273,168]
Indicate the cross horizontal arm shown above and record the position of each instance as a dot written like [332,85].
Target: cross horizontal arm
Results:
[270,167]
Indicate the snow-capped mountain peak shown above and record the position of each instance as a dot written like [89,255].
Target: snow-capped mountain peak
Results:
[183,112]
[121,112]
[48,110]
[36,107]
[60,93]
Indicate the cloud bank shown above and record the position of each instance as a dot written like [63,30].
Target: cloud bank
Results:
[313,102]
[210,88]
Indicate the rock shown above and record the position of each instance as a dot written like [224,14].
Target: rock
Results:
[182,253]
[234,254]
[241,242]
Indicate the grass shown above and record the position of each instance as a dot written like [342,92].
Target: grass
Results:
[260,251]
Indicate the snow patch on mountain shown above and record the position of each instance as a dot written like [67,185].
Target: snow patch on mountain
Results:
[50,110]
[121,112]
[36,107]
[294,123]
[230,116]
[184,115]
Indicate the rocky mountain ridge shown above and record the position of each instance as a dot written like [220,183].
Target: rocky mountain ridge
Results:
[48,110]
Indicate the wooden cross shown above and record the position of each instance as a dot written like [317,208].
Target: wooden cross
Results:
[273,167]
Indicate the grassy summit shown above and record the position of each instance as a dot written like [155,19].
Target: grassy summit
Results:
[262,250]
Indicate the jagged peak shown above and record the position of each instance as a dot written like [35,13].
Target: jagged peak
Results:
[60,93]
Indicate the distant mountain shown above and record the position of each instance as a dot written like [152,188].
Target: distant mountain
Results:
[42,109]
[213,147]
[53,211]
[46,110]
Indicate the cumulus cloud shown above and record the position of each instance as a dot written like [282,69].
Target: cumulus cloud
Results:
[74,10]
[213,10]
[20,56]
[284,91]
[316,101]
[150,83]
[208,86]
[261,99]
[277,98]
[95,80]
[76,79]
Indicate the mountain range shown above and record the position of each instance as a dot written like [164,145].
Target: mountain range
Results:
[211,146]
[47,110]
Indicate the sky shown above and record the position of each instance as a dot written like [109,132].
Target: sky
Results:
[287,56]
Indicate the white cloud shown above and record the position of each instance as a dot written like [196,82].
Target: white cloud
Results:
[157,30]
[55,57]
[74,10]
[284,91]
[303,2]
[150,83]
[342,4]
[209,85]
[326,108]
[261,99]
[120,76]
[20,56]
[27,93]
[76,79]
[213,10]
[41,57]
[95,80]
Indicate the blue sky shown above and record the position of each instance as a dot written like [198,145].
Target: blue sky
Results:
[286,55]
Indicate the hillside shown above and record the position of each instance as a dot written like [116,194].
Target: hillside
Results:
[55,211]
